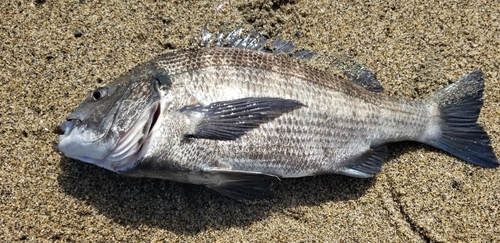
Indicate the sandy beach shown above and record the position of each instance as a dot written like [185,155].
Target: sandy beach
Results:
[52,53]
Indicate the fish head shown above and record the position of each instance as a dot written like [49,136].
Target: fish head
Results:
[114,122]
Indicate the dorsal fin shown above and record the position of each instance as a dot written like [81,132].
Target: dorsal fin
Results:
[351,69]
[359,74]
[253,41]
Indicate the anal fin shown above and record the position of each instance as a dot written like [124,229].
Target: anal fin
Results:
[368,164]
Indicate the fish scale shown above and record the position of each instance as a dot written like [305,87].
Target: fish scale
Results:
[201,86]
[233,119]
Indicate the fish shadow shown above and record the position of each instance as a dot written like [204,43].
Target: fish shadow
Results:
[191,209]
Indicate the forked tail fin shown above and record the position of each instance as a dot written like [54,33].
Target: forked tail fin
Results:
[460,134]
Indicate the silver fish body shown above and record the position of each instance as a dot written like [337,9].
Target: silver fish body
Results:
[231,119]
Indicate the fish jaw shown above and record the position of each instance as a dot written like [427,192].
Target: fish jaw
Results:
[78,144]
[112,152]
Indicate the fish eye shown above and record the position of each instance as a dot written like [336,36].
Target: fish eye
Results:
[98,94]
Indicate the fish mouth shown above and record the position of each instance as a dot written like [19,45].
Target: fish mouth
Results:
[72,145]
[67,127]
[134,144]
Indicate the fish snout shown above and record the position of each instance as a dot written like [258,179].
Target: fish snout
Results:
[67,126]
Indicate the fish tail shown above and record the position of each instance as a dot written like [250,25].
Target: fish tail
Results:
[456,131]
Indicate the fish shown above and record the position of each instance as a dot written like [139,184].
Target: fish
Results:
[237,119]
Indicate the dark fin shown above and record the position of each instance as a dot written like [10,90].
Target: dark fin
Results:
[357,73]
[305,54]
[205,36]
[230,39]
[286,47]
[368,164]
[229,120]
[461,135]
[242,185]
[252,41]
[281,46]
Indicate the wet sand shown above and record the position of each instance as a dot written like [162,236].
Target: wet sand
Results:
[52,53]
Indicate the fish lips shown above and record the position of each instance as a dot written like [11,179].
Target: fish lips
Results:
[76,142]
[130,146]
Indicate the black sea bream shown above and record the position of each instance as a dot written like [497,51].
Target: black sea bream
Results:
[231,119]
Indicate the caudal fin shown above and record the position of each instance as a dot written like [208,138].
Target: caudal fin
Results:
[459,105]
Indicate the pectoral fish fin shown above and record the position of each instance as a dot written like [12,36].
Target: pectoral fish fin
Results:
[241,185]
[369,163]
[229,120]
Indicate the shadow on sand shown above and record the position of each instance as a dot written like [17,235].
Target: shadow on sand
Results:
[190,209]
